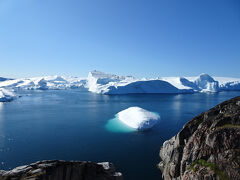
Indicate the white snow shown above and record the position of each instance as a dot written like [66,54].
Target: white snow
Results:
[45,83]
[6,95]
[206,83]
[103,83]
[228,83]
[99,82]
[138,118]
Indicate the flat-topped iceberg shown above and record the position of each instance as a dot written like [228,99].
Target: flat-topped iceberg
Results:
[145,86]
[6,95]
[138,118]
[103,83]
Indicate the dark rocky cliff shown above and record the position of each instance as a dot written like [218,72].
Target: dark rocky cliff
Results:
[208,147]
[63,170]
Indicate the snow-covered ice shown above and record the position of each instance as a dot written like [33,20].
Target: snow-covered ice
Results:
[6,95]
[96,80]
[228,83]
[138,118]
[206,83]
[147,86]
[103,83]
[45,83]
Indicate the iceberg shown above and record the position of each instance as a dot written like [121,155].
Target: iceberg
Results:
[45,83]
[147,86]
[103,83]
[98,82]
[206,83]
[228,84]
[138,118]
[6,95]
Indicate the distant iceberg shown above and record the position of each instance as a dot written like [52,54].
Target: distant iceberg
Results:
[103,83]
[228,84]
[148,86]
[6,95]
[206,83]
[138,118]
[45,83]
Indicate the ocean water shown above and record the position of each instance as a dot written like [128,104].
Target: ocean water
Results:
[75,125]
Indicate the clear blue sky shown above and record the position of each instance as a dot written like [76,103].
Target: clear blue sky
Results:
[126,37]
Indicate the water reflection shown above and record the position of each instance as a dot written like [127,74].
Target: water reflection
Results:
[115,125]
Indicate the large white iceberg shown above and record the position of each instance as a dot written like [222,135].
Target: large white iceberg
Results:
[103,83]
[138,118]
[6,95]
[147,86]
[99,82]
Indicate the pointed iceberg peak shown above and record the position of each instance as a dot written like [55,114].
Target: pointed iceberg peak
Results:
[206,83]
[205,77]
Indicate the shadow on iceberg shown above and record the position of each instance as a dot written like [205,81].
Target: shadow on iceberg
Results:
[151,86]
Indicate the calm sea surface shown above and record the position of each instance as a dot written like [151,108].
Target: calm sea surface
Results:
[74,125]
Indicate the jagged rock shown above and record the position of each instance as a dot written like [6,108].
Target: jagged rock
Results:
[208,146]
[63,170]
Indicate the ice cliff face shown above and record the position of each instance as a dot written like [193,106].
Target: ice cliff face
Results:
[111,84]
[98,81]
[206,83]
[102,83]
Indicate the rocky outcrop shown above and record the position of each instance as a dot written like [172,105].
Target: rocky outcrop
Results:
[63,170]
[208,147]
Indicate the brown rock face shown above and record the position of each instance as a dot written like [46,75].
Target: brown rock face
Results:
[208,146]
[63,170]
